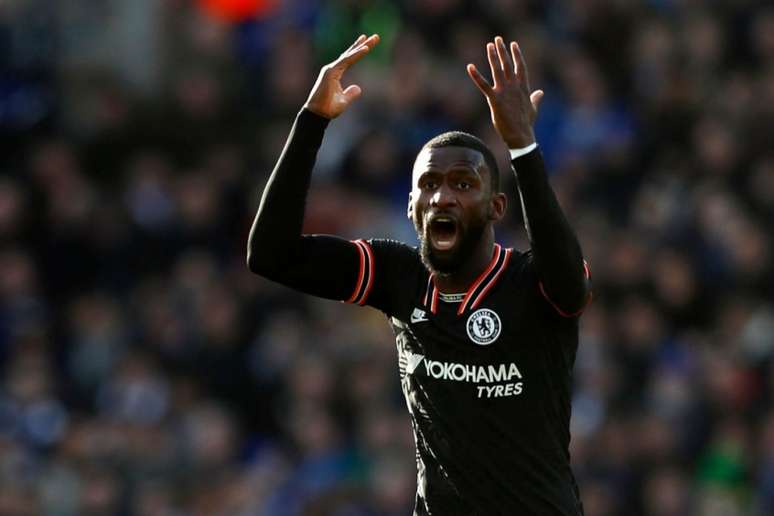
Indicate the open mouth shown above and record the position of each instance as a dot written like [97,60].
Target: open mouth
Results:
[442,232]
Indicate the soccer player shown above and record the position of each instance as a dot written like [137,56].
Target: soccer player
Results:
[486,336]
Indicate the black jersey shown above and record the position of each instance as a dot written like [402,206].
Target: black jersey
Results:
[487,380]
[486,374]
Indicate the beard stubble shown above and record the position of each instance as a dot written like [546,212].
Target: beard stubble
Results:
[448,264]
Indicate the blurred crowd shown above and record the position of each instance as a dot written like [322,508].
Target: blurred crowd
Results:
[145,372]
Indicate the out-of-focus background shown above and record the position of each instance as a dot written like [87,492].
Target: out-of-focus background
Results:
[145,372]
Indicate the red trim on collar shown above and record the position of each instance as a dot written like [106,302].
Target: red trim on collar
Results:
[427,288]
[480,279]
[494,279]
[434,302]
[431,295]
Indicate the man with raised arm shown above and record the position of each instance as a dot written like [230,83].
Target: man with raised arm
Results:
[486,336]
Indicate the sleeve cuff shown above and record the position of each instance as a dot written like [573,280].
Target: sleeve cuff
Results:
[310,128]
[517,153]
[313,117]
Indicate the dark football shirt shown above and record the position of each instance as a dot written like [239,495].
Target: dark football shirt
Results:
[487,382]
[487,379]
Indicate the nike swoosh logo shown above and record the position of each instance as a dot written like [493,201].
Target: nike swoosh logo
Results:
[418,316]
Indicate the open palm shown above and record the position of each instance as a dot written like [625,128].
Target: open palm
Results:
[512,103]
[328,97]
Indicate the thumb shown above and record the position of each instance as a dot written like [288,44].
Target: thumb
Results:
[535,98]
[352,92]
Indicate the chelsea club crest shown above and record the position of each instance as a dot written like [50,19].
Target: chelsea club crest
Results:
[483,326]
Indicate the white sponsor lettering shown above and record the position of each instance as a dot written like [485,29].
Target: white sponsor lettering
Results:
[468,372]
[497,375]
[500,391]
[501,375]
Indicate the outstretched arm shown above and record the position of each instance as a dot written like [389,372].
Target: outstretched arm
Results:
[321,265]
[513,106]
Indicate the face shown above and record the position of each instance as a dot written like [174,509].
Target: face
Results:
[451,204]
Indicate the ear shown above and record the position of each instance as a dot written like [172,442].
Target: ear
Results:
[410,207]
[497,206]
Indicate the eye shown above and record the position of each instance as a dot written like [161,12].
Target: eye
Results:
[428,185]
[463,185]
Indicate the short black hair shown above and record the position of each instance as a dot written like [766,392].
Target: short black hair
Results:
[463,139]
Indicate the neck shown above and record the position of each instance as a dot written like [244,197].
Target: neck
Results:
[461,279]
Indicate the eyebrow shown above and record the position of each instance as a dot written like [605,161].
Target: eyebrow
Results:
[471,172]
[467,166]
[470,163]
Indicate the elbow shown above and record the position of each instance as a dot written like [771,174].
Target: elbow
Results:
[581,299]
[578,293]
[253,262]
[269,254]
[258,259]
[260,263]
[269,259]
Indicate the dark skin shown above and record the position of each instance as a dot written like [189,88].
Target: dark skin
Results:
[455,182]
[513,108]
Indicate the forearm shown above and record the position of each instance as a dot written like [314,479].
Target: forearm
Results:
[275,237]
[555,248]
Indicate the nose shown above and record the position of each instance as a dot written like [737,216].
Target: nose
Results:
[443,197]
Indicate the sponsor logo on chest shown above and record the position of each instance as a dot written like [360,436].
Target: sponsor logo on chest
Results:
[498,380]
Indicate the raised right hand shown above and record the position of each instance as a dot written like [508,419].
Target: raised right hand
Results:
[328,98]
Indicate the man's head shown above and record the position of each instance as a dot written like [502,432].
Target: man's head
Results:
[455,198]
[462,139]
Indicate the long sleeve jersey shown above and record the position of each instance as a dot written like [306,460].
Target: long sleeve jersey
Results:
[486,373]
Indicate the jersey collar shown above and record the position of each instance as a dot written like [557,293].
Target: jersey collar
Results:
[478,289]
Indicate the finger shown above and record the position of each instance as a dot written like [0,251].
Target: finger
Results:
[494,65]
[535,98]
[521,64]
[361,41]
[350,58]
[352,92]
[371,41]
[357,42]
[355,55]
[502,55]
[479,80]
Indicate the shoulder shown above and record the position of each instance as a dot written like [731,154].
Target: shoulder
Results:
[392,251]
[525,277]
[388,260]
[523,273]
[520,276]
[520,265]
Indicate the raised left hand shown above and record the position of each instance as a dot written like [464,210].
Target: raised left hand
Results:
[512,104]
